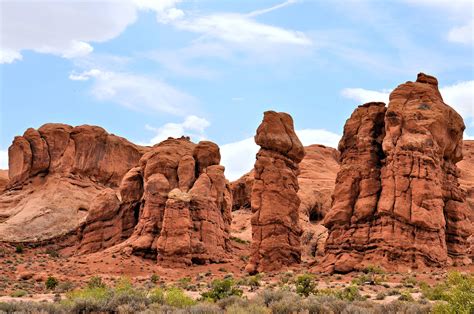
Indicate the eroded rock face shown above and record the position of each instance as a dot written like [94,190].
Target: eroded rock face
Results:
[276,229]
[182,201]
[466,166]
[397,200]
[54,174]
[316,180]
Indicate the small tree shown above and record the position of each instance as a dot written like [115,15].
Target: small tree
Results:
[221,289]
[305,285]
[51,283]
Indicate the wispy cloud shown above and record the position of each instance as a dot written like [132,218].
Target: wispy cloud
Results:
[137,92]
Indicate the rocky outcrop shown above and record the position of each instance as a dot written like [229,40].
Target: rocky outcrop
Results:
[316,180]
[275,221]
[55,172]
[180,200]
[397,201]
[3,179]
[466,180]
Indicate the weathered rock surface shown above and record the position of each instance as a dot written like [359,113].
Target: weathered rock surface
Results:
[3,179]
[276,229]
[177,199]
[397,200]
[316,180]
[55,172]
[466,166]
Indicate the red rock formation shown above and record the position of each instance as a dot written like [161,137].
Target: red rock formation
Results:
[182,201]
[275,221]
[3,179]
[316,179]
[466,180]
[55,172]
[397,201]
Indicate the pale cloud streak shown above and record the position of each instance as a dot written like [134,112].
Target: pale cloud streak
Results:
[137,92]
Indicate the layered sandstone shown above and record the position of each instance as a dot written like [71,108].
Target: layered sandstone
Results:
[316,179]
[182,203]
[276,229]
[3,179]
[54,173]
[397,200]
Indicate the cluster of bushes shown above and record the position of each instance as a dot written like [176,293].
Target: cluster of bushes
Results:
[456,295]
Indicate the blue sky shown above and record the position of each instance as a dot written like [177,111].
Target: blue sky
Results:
[147,69]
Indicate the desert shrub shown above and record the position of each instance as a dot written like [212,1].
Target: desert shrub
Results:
[374,269]
[177,298]
[252,281]
[396,307]
[30,307]
[458,294]
[19,248]
[246,308]
[305,285]
[53,253]
[350,293]
[154,278]
[380,296]
[19,293]
[405,296]
[204,308]
[268,296]
[64,286]
[291,303]
[409,282]
[95,282]
[221,289]
[51,283]
[156,295]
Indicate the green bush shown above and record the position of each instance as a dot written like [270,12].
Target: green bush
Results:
[51,283]
[95,282]
[154,278]
[157,295]
[221,289]
[350,293]
[177,298]
[405,296]
[374,269]
[457,292]
[19,248]
[19,293]
[305,285]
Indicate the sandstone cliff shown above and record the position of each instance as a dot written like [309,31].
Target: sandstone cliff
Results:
[397,200]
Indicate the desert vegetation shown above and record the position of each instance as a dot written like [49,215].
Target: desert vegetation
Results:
[300,294]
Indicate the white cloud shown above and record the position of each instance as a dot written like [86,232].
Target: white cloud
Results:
[239,157]
[460,96]
[137,92]
[462,34]
[468,137]
[192,126]
[63,28]
[241,29]
[363,96]
[3,159]
[460,11]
